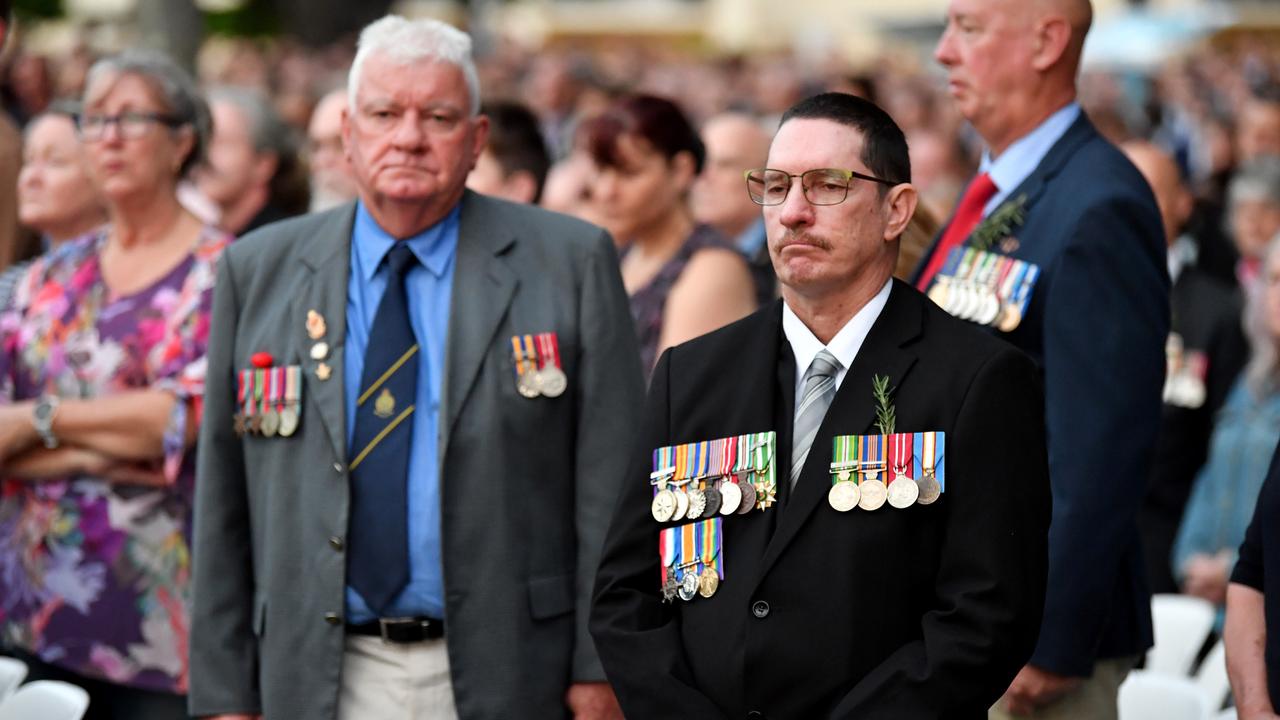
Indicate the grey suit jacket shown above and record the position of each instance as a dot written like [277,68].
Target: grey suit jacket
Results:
[527,485]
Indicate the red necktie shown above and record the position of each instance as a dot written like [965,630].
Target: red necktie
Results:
[968,213]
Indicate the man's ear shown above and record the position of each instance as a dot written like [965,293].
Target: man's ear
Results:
[901,205]
[520,186]
[1050,40]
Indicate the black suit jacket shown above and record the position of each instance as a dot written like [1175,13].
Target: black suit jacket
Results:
[1096,325]
[1207,315]
[920,613]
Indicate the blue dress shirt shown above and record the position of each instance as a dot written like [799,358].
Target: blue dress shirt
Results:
[1020,159]
[751,239]
[429,288]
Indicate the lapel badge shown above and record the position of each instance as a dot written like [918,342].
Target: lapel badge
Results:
[320,351]
[1010,245]
[262,360]
[323,371]
[385,405]
[316,327]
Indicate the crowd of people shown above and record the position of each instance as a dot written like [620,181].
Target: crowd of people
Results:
[463,274]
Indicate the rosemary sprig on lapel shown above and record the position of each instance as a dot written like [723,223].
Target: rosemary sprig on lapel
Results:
[1000,224]
[884,409]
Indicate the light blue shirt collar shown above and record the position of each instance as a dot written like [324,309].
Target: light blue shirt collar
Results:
[752,239]
[434,247]
[1022,158]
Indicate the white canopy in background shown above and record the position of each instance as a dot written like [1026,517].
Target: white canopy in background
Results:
[1142,40]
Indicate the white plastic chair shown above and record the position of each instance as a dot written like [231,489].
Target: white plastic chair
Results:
[1153,696]
[12,673]
[1212,675]
[1182,624]
[45,700]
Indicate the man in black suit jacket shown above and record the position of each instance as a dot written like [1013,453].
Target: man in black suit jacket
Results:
[1205,352]
[1064,199]
[923,612]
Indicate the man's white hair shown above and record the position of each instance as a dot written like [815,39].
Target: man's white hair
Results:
[401,40]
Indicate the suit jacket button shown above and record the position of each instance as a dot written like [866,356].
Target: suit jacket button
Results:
[335,542]
[332,618]
[337,467]
[760,609]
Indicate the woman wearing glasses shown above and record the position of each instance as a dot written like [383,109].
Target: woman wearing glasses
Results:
[101,378]
[683,279]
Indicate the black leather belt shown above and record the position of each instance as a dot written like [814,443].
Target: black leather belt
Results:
[400,630]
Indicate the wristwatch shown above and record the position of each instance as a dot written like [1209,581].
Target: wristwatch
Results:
[42,418]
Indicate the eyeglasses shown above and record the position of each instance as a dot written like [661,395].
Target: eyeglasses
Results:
[823,186]
[131,125]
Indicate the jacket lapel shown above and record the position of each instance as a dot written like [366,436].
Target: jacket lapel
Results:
[483,288]
[1034,186]
[328,257]
[852,411]
[1062,151]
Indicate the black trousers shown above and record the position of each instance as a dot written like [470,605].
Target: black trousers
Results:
[109,701]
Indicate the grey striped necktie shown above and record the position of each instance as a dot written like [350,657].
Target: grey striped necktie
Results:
[818,391]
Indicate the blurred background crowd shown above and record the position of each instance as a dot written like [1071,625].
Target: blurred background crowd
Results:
[642,117]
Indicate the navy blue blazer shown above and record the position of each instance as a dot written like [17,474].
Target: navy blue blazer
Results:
[1096,325]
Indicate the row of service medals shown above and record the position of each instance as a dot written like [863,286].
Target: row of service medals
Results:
[705,482]
[910,463]
[692,565]
[270,401]
[537,365]
[985,287]
[1186,370]
[727,476]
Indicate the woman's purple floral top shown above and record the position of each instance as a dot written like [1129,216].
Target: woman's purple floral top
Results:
[94,577]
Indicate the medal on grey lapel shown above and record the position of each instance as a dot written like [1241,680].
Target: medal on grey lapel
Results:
[551,379]
[525,366]
[316,327]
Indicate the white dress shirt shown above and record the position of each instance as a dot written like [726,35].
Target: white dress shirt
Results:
[844,346]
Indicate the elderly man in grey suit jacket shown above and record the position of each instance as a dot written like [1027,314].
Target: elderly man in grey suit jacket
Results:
[417,414]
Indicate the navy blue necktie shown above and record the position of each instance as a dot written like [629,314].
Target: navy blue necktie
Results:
[378,532]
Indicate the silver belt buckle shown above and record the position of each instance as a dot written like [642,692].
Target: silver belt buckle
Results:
[384,623]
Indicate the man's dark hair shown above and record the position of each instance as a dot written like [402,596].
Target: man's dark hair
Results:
[884,147]
[516,142]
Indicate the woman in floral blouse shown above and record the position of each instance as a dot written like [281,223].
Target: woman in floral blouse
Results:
[101,379]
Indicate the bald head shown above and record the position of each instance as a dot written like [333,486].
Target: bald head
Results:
[1078,15]
[1165,179]
[1012,63]
[735,143]
[740,133]
[1077,12]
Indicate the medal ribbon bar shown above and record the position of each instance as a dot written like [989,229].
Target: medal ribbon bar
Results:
[934,447]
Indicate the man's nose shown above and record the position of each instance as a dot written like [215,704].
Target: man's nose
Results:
[796,210]
[408,133]
[944,54]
